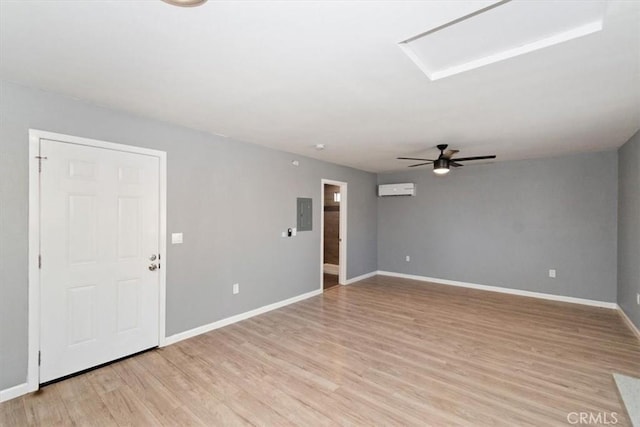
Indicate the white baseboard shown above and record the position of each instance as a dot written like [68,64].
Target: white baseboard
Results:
[331,269]
[238,317]
[361,277]
[541,295]
[633,327]
[13,392]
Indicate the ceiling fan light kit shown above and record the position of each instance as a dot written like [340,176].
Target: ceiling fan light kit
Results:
[444,161]
[441,167]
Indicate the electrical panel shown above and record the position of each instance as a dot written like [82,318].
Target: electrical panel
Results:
[304,209]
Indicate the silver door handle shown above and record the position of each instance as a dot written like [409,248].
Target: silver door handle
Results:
[153,267]
[153,257]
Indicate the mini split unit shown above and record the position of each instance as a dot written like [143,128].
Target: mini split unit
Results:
[405,189]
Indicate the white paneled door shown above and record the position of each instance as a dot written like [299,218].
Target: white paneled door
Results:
[99,279]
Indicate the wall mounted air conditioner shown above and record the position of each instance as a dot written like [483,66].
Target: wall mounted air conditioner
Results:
[404,189]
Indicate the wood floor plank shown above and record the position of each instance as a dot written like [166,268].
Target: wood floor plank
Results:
[384,351]
[46,408]
[105,379]
[157,398]
[12,413]
[127,409]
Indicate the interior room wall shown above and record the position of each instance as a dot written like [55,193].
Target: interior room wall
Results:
[629,228]
[219,195]
[502,224]
[331,225]
[507,223]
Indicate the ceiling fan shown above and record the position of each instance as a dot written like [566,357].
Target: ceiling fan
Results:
[444,161]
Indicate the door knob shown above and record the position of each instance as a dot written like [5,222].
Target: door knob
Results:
[153,267]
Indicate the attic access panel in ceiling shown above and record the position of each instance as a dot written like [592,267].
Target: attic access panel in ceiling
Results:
[501,31]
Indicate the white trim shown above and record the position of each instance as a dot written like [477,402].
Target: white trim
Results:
[13,392]
[541,295]
[331,269]
[238,317]
[361,277]
[435,74]
[33,371]
[162,302]
[41,134]
[572,34]
[342,256]
[633,327]
[408,50]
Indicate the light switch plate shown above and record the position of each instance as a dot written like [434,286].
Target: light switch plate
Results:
[552,273]
[176,238]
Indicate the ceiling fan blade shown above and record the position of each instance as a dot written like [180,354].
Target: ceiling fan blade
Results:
[447,154]
[420,164]
[414,158]
[454,164]
[464,159]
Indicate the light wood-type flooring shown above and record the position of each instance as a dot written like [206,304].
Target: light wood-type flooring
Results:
[383,351]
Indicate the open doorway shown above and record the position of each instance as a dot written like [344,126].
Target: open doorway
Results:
[333,235]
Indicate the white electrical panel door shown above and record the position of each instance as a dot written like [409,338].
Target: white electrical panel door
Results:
[99,283]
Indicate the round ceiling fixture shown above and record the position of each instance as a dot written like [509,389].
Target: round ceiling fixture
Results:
[185,3]
[320,147]
[441,166]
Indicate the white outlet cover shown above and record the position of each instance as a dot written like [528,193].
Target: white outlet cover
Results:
[176,238]
[407,258]
[236,288]
[552,273]
[294,231]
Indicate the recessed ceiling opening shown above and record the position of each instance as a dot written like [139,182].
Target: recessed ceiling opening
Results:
[503,30]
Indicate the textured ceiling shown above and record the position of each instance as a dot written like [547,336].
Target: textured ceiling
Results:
[290,75]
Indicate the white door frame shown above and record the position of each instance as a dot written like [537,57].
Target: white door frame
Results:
[33,370]
[342,260]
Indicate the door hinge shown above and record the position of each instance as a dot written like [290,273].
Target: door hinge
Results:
[40,159]
[39,358]
[39,261]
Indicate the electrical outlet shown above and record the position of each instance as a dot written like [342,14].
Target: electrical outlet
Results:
[552,273]
[236,288]
[638,299]
[407,258]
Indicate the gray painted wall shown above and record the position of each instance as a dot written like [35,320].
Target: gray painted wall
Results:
[503,224]
[629,227]
[219,195]
[506,224]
